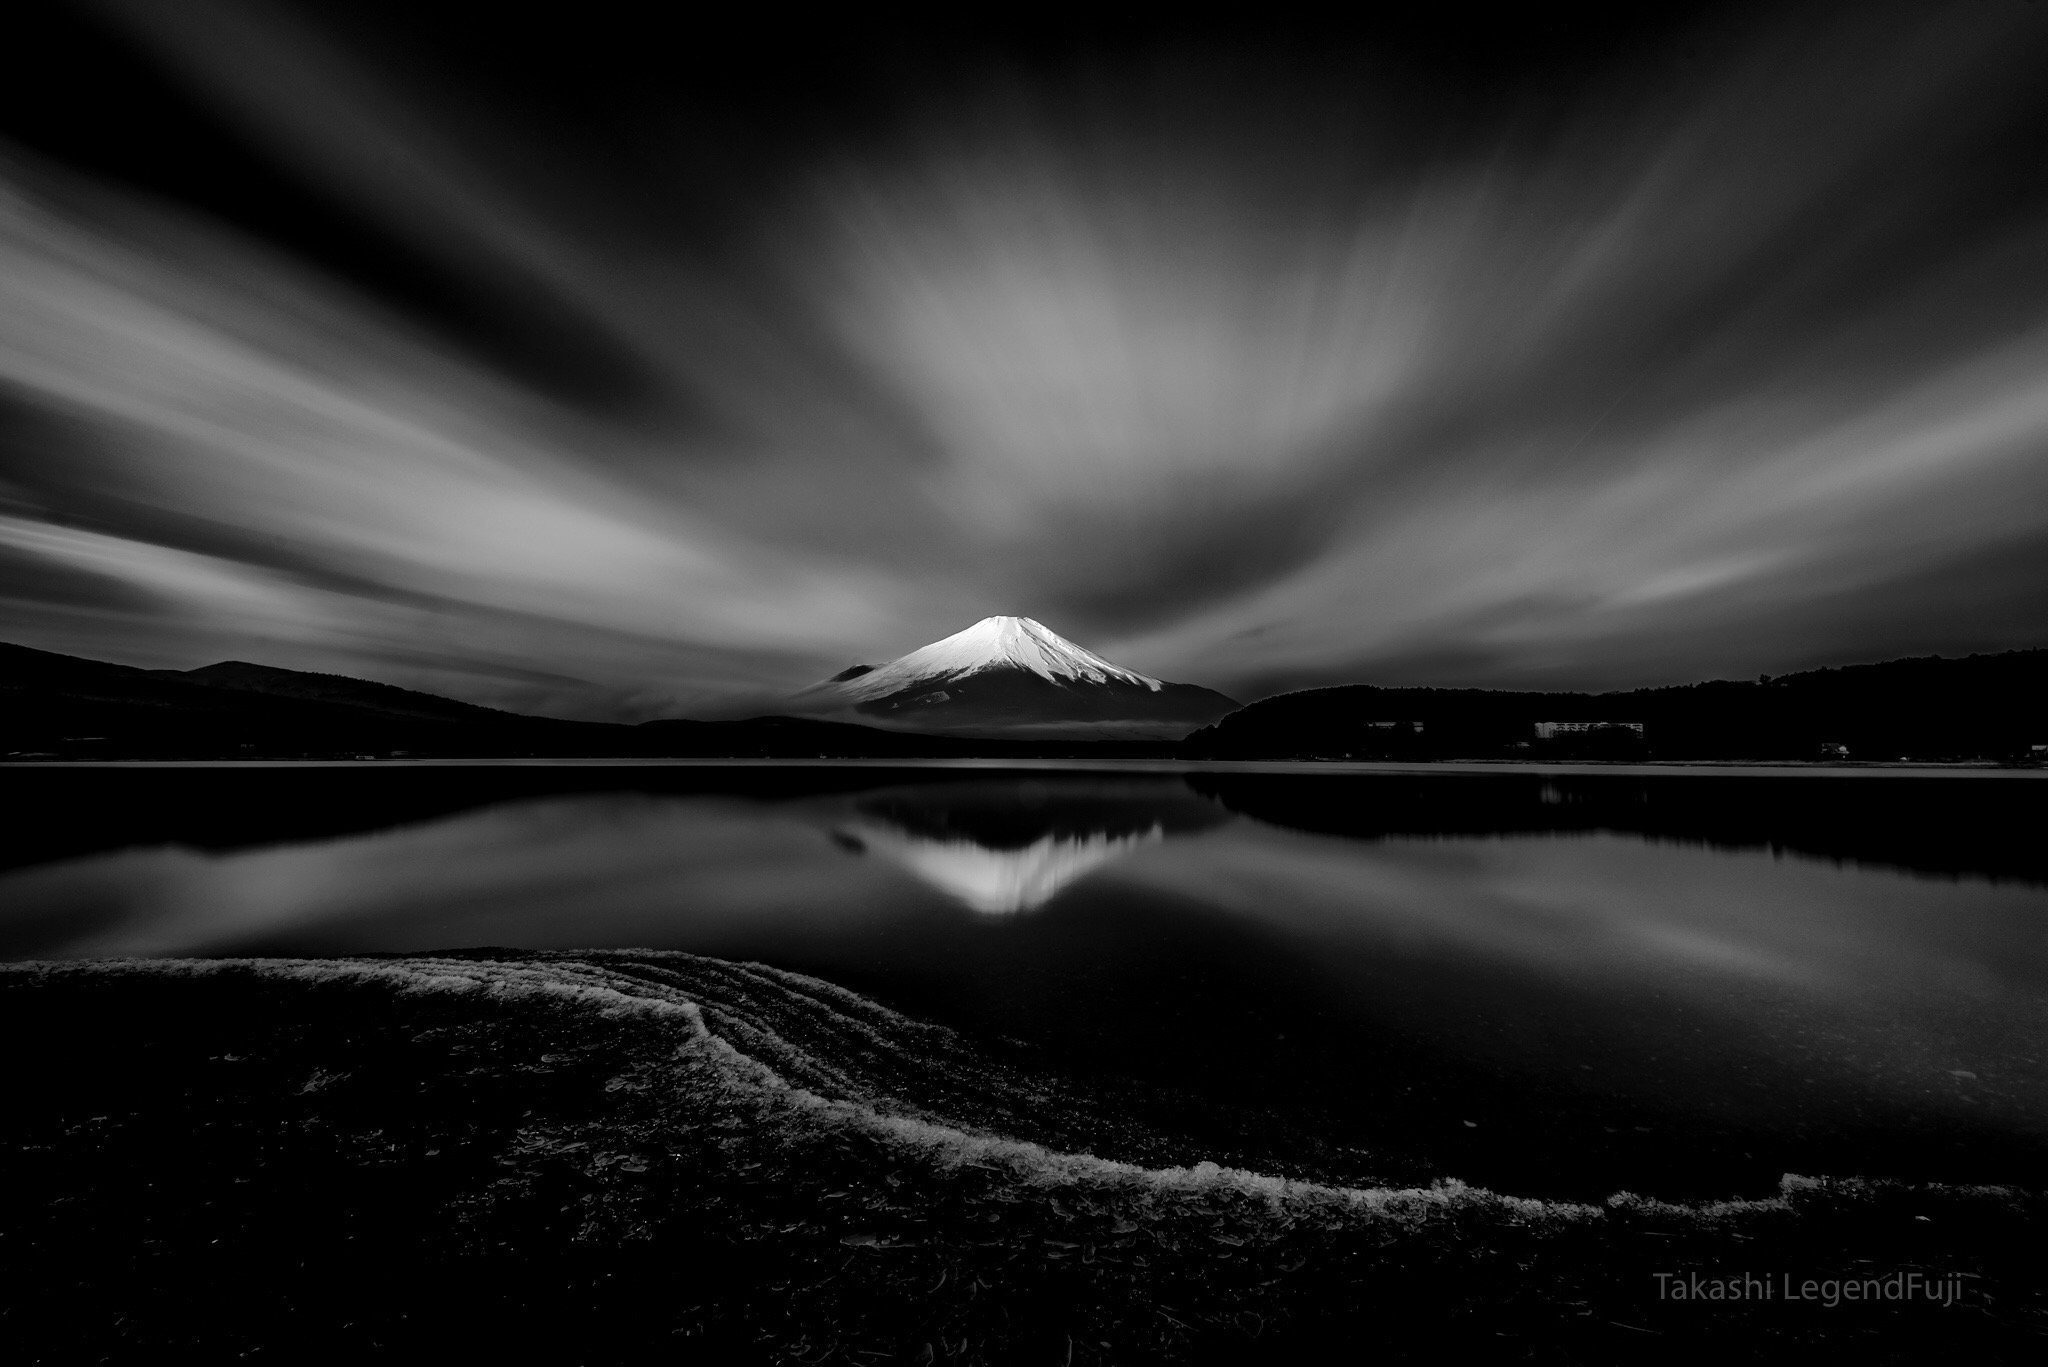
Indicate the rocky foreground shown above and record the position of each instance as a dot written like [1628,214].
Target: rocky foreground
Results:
[621,1157]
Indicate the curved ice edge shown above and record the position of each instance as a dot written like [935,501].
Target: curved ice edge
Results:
[583,980]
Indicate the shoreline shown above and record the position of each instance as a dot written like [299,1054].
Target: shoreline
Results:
[612,1154]
[1735,768]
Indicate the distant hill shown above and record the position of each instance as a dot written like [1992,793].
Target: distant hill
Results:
[1982,707]
[60,707]
[338,688]
[812,738]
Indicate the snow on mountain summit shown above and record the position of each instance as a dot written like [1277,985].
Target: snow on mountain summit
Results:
[994,643]
[1013,678]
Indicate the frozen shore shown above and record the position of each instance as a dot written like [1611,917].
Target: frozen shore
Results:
[599,1157]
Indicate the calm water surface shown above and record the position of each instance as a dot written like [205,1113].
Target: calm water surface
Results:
[1567,983]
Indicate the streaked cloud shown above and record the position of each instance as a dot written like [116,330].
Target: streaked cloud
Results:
[1241,368]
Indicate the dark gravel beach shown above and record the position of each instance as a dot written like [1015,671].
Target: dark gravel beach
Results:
[612,1157]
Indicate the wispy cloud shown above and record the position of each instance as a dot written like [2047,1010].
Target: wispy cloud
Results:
[1240,368]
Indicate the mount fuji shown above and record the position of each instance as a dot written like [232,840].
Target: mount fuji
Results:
[1012,677]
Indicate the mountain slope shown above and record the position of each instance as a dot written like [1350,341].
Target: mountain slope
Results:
[59,706]
[1012,677]
[1985,706]
[389,699]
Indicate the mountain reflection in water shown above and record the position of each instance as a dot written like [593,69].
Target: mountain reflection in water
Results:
[995,880]
[1012,846]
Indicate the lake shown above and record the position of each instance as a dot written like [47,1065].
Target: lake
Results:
[1551,983]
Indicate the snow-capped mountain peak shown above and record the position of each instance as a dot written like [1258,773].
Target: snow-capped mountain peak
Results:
[994,643]
[1012,678]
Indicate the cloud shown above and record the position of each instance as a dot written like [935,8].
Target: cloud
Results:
[231,418]
[1243,367]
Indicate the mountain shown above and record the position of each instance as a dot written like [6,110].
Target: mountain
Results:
[1009,688]
[1984,707]
[388,699]
[1010,677]
[778,737]
[60,707]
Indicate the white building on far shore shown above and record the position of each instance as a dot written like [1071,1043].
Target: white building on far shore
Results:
[1551,730]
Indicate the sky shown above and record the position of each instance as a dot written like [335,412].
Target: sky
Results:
[594,365]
